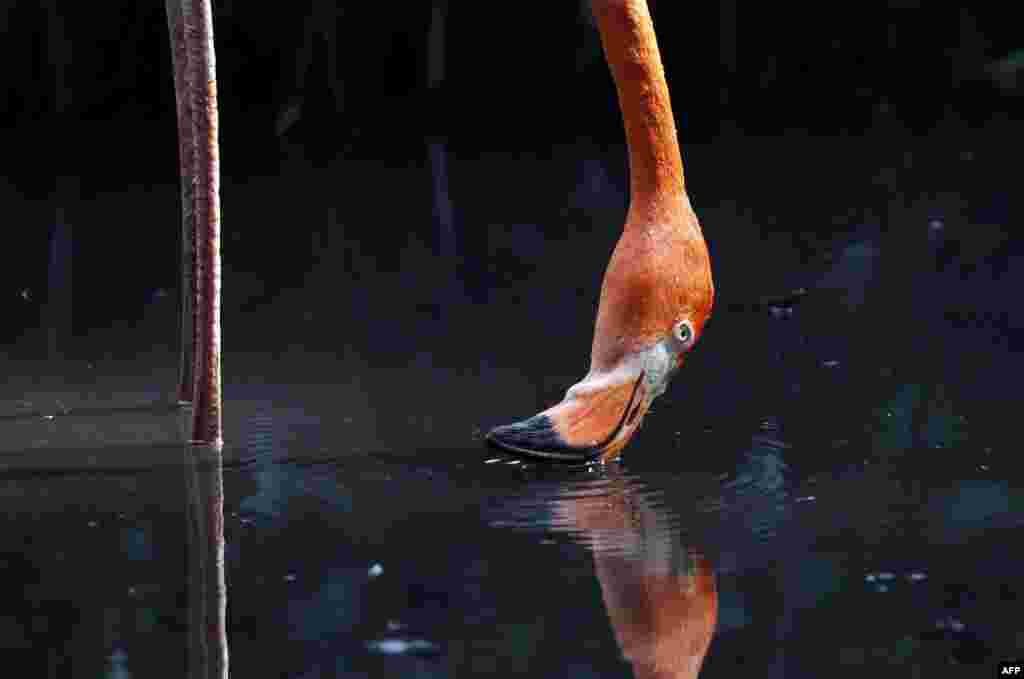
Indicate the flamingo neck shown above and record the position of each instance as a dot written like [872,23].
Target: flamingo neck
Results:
[655,163]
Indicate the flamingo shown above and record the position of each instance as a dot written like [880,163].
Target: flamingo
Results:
[657,291]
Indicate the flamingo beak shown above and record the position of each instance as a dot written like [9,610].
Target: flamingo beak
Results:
[597,417]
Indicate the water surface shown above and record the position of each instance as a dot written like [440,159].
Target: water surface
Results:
[826,489]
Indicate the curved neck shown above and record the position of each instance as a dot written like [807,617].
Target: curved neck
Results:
[655,163]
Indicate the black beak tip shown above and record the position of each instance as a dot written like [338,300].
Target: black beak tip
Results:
[536,437]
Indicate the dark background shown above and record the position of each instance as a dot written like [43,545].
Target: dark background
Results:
[89,136]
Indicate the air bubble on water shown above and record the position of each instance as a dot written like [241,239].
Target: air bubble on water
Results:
[401,646]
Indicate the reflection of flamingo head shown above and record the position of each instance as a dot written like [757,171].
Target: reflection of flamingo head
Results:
[657,291]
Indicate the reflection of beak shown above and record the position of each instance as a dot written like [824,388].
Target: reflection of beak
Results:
[594,421]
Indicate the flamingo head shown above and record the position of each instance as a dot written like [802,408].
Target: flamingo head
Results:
[656,296]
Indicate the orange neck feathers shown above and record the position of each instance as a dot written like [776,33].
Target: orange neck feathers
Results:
[655,163]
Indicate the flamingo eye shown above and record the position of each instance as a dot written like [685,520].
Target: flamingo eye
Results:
[683,332]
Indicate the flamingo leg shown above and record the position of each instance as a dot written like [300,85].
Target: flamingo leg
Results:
[183,107]
[190,23]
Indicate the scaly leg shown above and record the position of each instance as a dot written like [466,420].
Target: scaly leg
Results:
[191,28]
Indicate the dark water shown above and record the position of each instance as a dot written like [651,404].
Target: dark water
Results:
[828,488]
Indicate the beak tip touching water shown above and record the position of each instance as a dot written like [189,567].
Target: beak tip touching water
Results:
[593,434]
[537,437]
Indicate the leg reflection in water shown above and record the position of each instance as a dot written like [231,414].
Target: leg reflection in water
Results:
[207,592]
[660,596]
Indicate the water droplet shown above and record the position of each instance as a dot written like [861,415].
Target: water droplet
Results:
[886,576]
[401,646]
[832,363]
[92,524]
[809,498]
[936,225]
[375,570]
[26,294]
[291,577]
[916,576]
